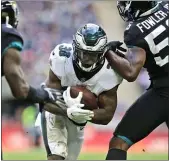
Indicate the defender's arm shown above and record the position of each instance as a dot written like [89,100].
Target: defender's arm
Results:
[130,66]
[16,80]
[14,73]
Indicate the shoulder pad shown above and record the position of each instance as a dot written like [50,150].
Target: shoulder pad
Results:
[128,26]
[131,32]
[8,29]
[58,57]
[61,52]
[133,36]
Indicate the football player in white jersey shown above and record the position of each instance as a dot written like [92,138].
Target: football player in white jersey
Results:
[79,63]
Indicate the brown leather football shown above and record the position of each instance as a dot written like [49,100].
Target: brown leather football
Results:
[89,99]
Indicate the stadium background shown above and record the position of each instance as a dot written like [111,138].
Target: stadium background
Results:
[44,24]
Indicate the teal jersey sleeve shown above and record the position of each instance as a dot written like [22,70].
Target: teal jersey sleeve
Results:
[17,45]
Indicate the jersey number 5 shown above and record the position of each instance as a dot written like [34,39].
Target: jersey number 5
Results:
[155,49]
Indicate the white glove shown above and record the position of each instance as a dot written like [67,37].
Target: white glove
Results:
[69,100]
[79,115]
[74,111]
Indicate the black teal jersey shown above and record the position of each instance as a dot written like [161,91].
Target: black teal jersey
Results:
[10,38]
[151,33]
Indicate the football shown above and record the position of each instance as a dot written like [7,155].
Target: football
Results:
[88,99]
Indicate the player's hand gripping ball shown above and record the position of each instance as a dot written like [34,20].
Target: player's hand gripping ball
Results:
[89,99]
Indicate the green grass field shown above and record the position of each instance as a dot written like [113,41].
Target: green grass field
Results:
[40,155]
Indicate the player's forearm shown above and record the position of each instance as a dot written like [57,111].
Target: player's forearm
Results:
[17,83]
[55,109]
[33,95]
[101,116]
[121,65]
[22,90]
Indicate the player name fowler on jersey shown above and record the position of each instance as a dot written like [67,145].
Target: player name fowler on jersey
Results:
[61,63]
[152,20]
[151,34]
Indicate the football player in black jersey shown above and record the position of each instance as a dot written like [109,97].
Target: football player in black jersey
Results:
[147,39]
[11,47]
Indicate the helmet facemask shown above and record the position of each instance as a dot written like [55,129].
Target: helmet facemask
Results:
[88,60]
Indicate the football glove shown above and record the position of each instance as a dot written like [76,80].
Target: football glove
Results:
[79,115]
[74,111]
[115,45]
[53,94]
[69,100]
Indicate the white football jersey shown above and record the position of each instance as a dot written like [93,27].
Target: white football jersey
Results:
[62,66]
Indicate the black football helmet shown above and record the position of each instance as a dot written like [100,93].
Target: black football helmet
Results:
[89,45]
[132,10]
[9,13]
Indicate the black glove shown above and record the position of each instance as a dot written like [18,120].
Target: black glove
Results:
[52,95]
[114,45]
[43,94]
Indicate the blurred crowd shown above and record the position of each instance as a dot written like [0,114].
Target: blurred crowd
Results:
[42,27]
